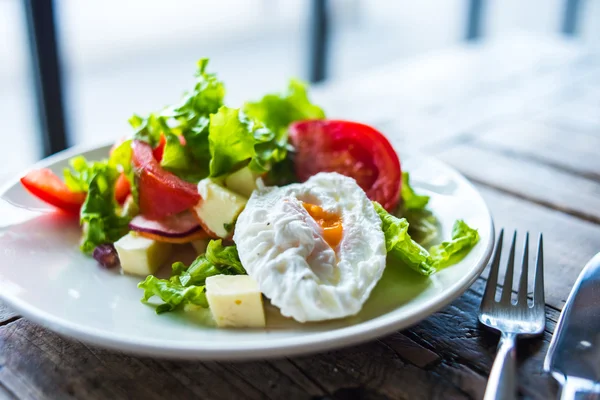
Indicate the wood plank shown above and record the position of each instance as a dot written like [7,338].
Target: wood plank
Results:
[574,151]
[529,180]
[457,331]
[39,364]
[568,242]
[445,94]
[441,117]
[580,112]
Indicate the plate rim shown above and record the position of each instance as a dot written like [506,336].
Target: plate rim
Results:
[239,351]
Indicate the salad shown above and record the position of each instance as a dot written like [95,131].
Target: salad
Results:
[278,201]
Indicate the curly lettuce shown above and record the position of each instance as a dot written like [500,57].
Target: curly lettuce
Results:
[402,249]
[423,225]
[99,215]
[278,111]
[400,246]
[220,140]
[179,160]
[189,118]
[464,238]
[186,284]
[410,199]
[236,141]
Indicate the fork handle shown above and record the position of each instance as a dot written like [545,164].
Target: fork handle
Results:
[502,381]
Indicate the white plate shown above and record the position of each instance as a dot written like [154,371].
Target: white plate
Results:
[45,278]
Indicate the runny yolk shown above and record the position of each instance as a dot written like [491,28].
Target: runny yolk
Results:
[331,223]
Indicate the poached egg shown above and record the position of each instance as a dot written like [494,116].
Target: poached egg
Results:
[316,249]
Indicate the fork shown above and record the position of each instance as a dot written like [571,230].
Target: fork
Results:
[511,319]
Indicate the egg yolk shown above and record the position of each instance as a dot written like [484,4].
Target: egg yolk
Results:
[331,223]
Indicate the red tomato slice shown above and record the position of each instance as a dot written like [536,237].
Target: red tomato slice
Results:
[161,193]
[351,149]
[45,185]
[159,150]
[122,188]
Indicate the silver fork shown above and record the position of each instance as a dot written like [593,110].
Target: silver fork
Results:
[511,319]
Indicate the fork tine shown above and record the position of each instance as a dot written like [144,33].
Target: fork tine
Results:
[522,295]
[508,276]
[490,288]
[538,294]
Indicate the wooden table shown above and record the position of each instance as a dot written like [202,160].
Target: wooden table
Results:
[520,117]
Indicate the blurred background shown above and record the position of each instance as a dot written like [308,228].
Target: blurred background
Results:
[124,56]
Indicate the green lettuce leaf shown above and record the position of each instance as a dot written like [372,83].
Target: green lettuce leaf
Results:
[196,138]
[236,141]
[99,215]
[188,118]
[404,250]
[423,226]
[80,174]
[173,294]
[410,199]
[225,256]
[150,128]
[400,246]
[464,238]
[231,141]
[218,260]
[180,161]
[186,284]
[102,218]
[278,111]
[206,97]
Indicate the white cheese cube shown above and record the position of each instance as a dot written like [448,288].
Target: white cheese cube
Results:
[219,208]
[235,301]
[242,181]
[141,256]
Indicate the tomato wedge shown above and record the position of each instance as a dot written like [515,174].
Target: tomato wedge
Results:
[352,149]
[161,193]
[122,188]
[47,186]
[159,150]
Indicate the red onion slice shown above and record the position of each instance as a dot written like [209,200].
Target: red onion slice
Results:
[175,226]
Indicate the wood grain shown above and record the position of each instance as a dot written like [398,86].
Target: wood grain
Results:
[437,98]
[528,180]
[558,147]
[568,242]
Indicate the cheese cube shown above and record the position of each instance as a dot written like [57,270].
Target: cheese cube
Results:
[219,208]
[235,301]
[141,256]
[242,181]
